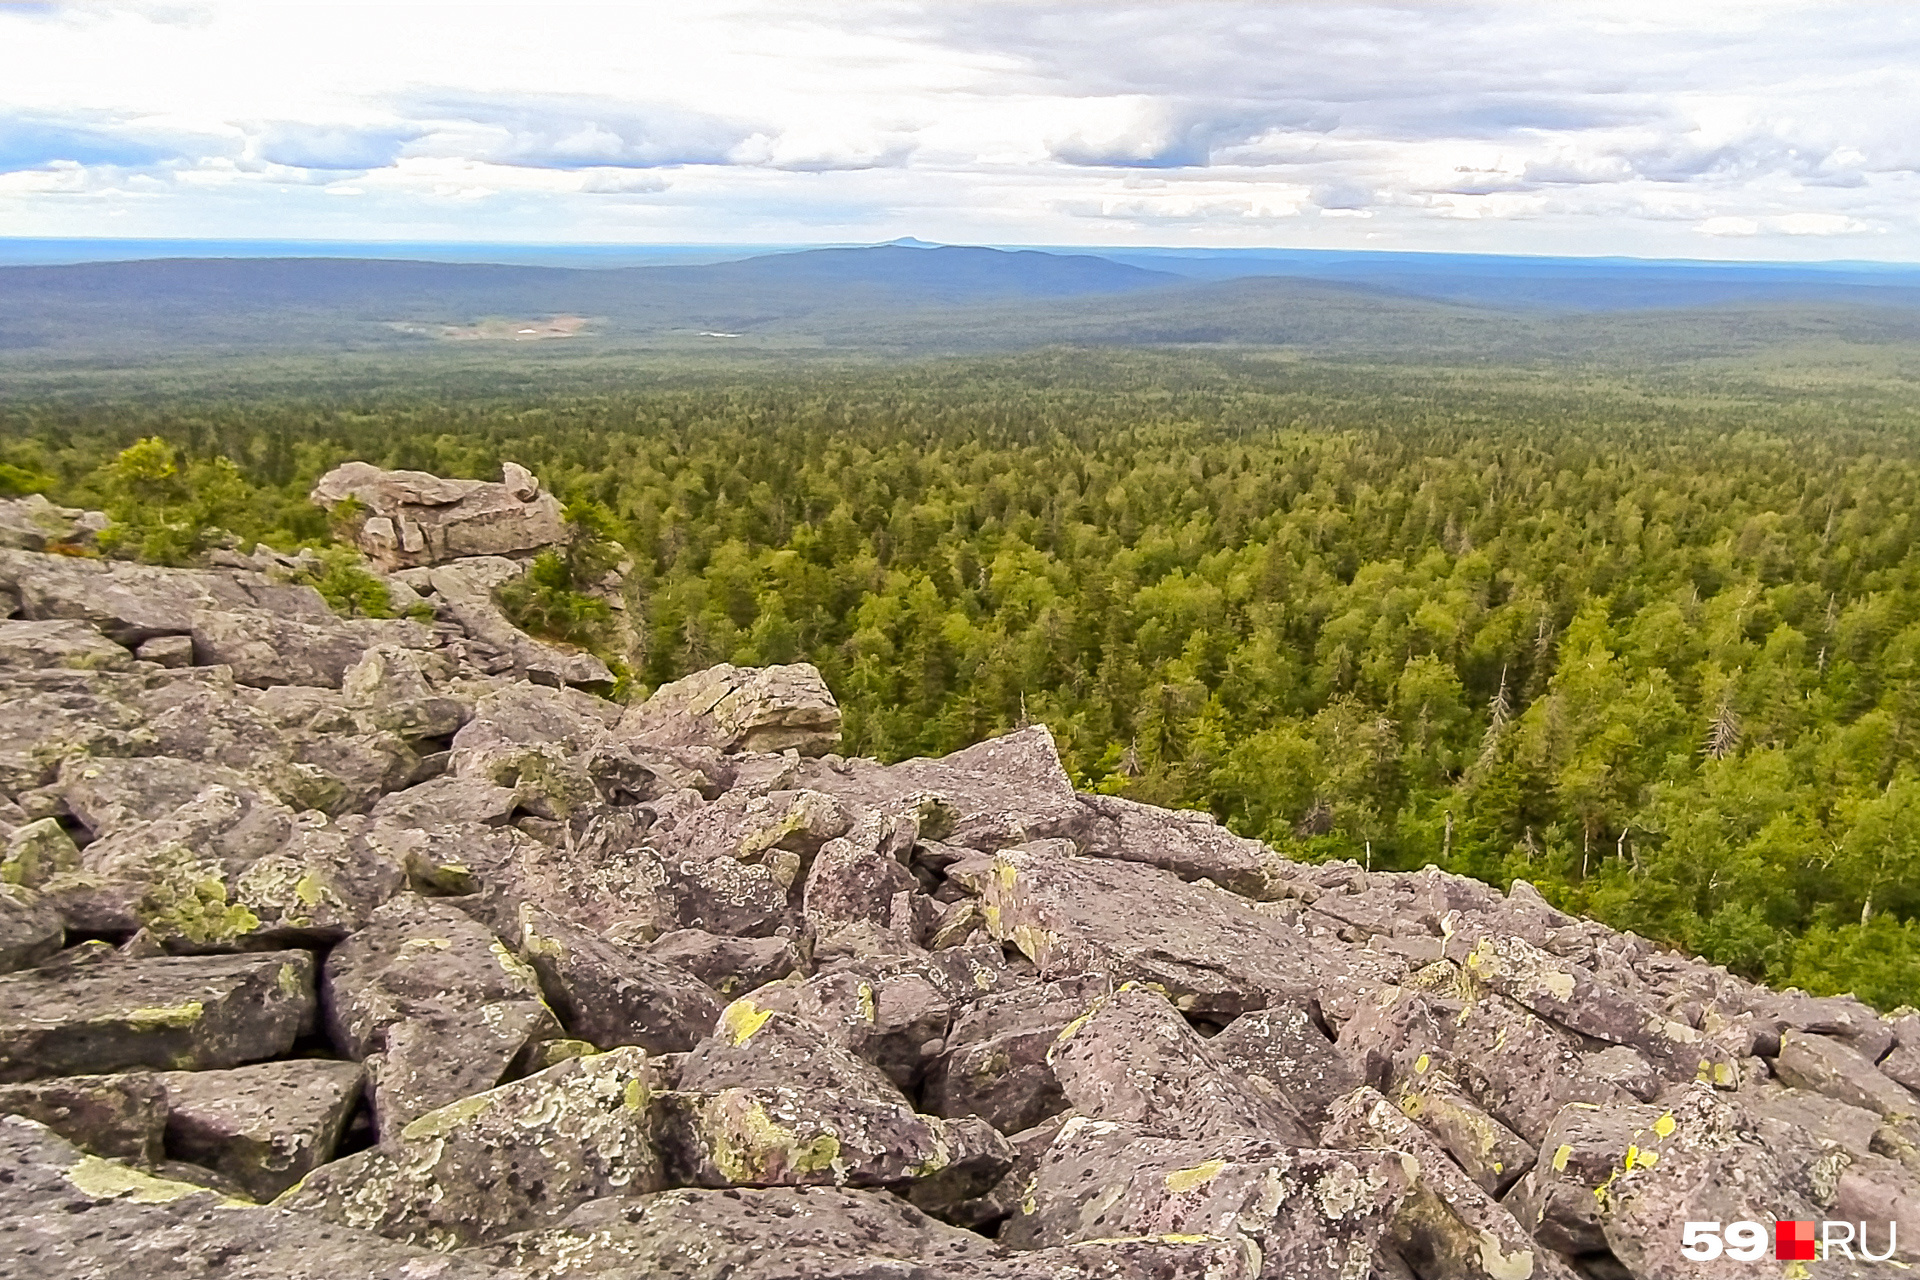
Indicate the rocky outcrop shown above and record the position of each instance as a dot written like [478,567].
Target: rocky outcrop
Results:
[473,974]
[402,519]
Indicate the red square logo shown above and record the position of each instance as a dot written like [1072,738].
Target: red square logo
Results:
[1793,1241]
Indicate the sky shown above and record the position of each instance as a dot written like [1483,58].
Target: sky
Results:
[1751,130]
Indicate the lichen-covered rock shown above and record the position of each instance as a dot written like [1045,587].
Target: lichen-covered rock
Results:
[740,709]
[1832,1067]
[891,1021]
[1447,1225]
[730,966]
[36,852]
[771,1136]
[1132,1058]
[1209,949]
[30,523]
[67,1215]
[179,1012]
[133,603]
[995,1063]
[510,1159]
[1493,1155]
[446,800]
[236,869]
[30,928]
[773,1233]
[1521,1068]
[59,643]
[417,957]
[265,1126]
[756,1045]
[1310,1213]
[1576,1000]
[1282,1054]
[612,994]
[411,518]
[430,1060]
[121,1116]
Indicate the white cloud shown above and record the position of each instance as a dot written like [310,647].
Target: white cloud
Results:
[1772,127]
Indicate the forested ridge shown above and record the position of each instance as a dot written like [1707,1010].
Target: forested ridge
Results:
[1652,644]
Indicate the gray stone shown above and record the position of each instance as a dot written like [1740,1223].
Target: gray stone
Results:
[1829,1066]
[410,518]
[167,651]
[120,1116]
[887,1020]
[1311,1213]
[30,928]
[134,603]
[730,966]
[511,1159]
[612,994]
[1282,1054]
[187,1012]
[59,643]
[740,709]
[67,1215]
[265,1126]
[995,1061]
[745,1234]
[433,1059]
[30,523]
[1190,844]
[36,852]
[1211,951]
[1132,1058]
[417,958]
[1448,1225]
[264,649]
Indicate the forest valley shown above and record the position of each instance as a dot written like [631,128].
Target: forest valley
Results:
[1649,642]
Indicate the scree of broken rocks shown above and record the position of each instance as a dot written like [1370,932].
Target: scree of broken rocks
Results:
[347,947]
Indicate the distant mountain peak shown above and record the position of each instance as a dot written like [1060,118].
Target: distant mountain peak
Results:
[913,242]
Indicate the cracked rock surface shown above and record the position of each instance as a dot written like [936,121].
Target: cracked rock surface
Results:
[336,950]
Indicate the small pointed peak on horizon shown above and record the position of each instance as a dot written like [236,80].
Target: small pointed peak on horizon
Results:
[913,242]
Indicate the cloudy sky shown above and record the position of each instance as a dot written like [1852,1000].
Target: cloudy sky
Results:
[1670,129]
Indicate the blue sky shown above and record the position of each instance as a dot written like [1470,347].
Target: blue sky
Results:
[1678,129]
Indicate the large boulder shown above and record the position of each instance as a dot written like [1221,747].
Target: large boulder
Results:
[67,1215]
[745,1234]
[510,1159]
[1310,1213]
[179,1012]
[123,1116]
[408,518]
[265,1126]
[740,709]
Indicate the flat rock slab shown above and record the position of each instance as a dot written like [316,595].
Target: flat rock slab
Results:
[31,928]
[511,1159]
[190,1013]
[1210,950]
[612,994]
[741,709]
[122,1116]
[1310,1213]
[775,1137]
[693,1234]
[59,643]
[1132,1058]
[264,1126]
[133,603]
[66,1215]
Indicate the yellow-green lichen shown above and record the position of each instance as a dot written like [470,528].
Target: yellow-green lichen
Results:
[741,1019]
[438,1124]
[288,980]
[167,1017]
[865,995]
[1181,1181]
[1664,1125]
[637,1095]
[111,1180]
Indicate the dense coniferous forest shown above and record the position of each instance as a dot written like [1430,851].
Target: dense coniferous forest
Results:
[1651,642]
